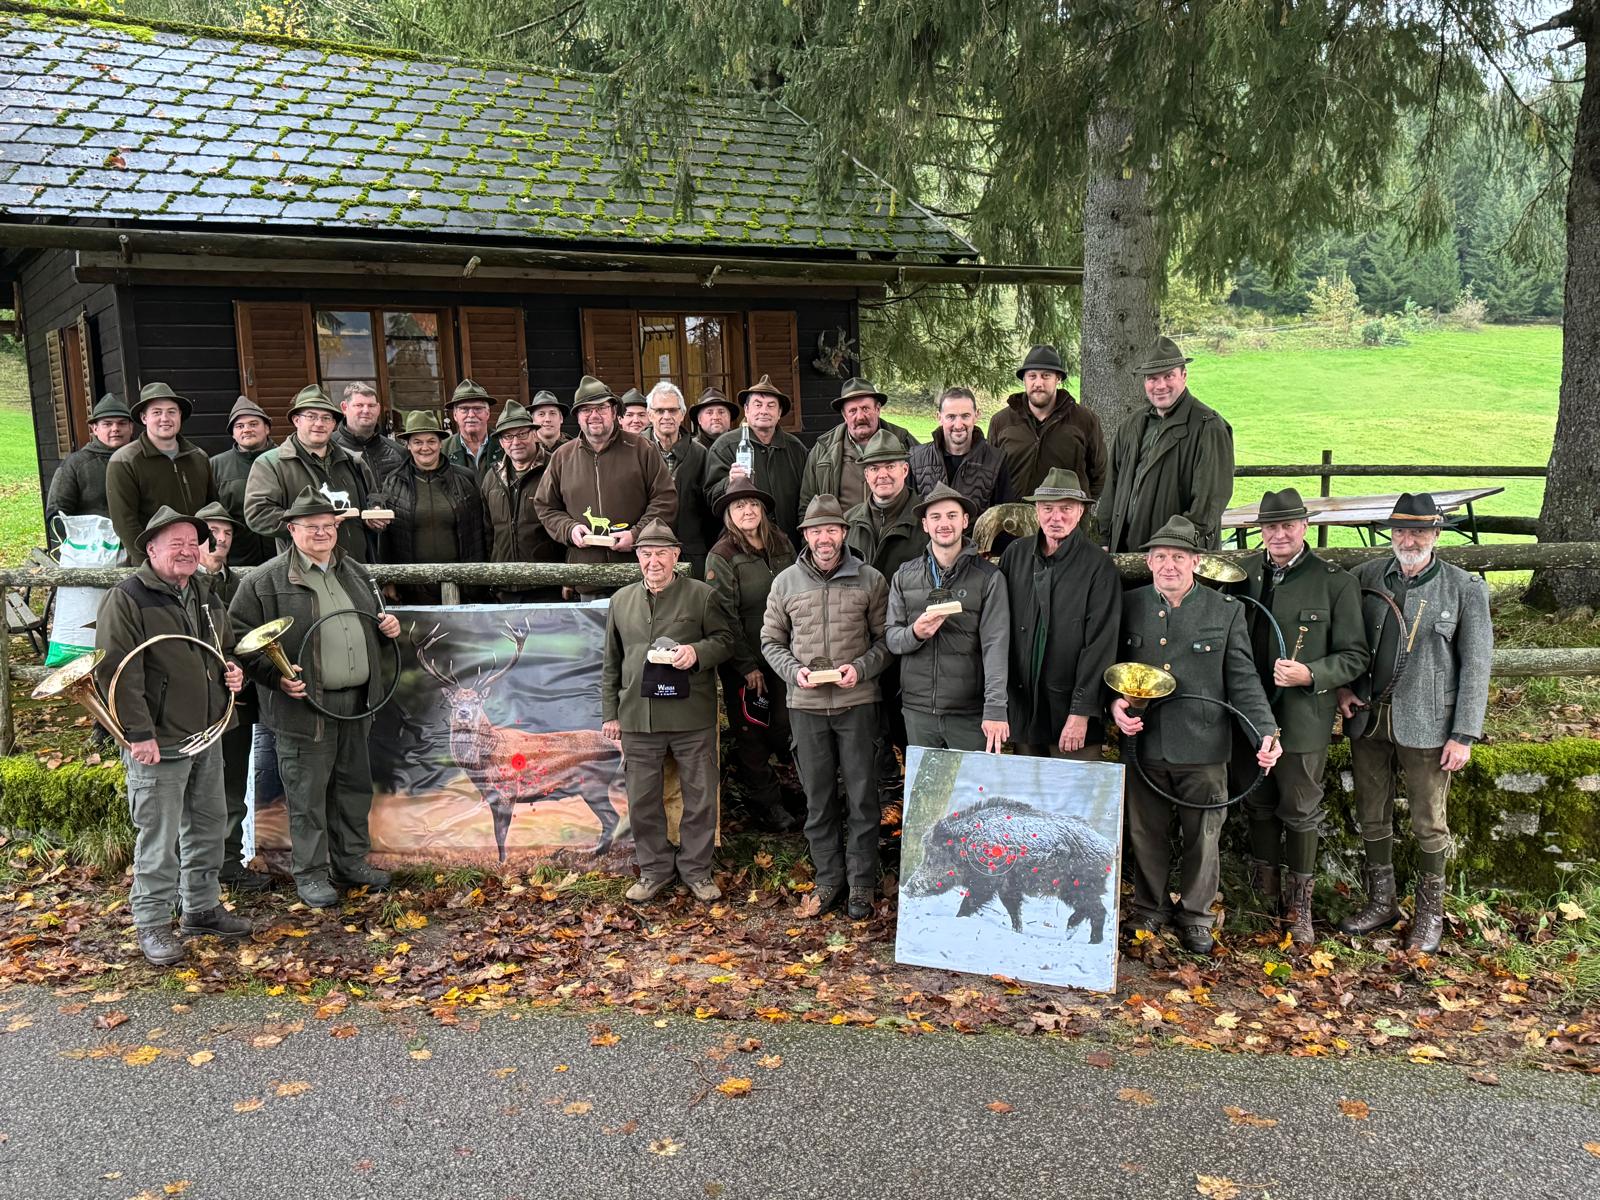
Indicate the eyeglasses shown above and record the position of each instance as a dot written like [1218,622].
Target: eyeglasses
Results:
[320,529]
[318,418]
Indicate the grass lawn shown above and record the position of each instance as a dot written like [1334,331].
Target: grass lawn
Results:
[21,506]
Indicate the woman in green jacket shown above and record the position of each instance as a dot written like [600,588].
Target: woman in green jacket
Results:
[741,567]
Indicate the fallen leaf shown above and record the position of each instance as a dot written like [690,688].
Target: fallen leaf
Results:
[200,1058]
[422,1055]
[265,1041]
[142,1057]
[1136,1096]
[294,1087]
[177,1187]
[1487,1078]
[666,1147]
[1216,1187]
[734,1086]
[559,1067]
[1356,1110]
[110,1020]
[577,1108]
[410,919]
[1240,1116]
[809,906]
[1425,1053]
[504,1072]
[1570,911]
[1593,1148]
[605,1039]
[999,1106]
[770,1061]
[1099,1058]
[1226,1020]
[247,1106]
[343,1031]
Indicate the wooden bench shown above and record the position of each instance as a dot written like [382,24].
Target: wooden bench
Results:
[21,620]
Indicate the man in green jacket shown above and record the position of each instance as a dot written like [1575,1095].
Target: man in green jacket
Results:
[167,693]
[251,430]
[1044,428]
[1317,606]
[79,485]
[711,416]
[308,458]
[160,468]
[515,532]
[665,638]
[834,465]
[470,446]
[1175,459]
[686,461]
[322,750]
[1198,636]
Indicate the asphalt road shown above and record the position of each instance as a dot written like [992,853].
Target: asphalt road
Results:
[847,1114]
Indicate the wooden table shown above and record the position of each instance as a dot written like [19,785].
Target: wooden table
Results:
[1362,513]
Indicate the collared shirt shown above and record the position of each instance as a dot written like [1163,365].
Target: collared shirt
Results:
[341,650]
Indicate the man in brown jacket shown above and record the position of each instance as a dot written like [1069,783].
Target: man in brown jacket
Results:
[160,468]
[1043,426]
[603,480]
[826,617]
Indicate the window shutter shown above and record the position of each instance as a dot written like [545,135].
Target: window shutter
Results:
[494,351]
[277,355]
[55,344]
[774,351]
[611,347]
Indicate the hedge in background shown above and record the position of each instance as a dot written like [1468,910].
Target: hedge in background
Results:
[85,808]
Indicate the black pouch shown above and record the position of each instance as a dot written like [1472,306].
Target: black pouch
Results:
[757,706]
[661,682]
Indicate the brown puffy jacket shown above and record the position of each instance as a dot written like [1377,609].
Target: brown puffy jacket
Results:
[838,618]
[1069,437]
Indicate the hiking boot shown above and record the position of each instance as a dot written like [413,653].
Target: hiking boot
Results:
[860,906]
[646,890]
[1264,883]
[218,921]
[770,817]
[1297,907]
[363,875]
[243,879]
[317,893]
[160,946]
[1196,939]
[1427,924]
[705,890]
[1381,911]
[829,897]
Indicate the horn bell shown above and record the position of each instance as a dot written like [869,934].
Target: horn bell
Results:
[1218,570]
[266,639]
[1139,683]
[75,681]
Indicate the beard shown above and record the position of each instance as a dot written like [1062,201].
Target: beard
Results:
[1412,558]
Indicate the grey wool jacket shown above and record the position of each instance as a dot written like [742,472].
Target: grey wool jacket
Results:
[962,668]
[1444,692]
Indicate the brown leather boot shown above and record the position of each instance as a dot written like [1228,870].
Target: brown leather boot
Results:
[1427,924]
[1297,907]
[1264,883]
[1381,911]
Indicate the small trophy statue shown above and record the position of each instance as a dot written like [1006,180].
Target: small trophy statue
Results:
[822,671]
[601,531]
[661,651]
[941,604]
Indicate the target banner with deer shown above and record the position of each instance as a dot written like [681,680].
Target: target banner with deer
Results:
[490,751]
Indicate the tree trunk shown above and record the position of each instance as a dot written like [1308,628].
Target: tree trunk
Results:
[1571,510]
[1122,271]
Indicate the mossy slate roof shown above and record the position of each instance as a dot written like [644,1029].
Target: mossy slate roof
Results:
[124,121]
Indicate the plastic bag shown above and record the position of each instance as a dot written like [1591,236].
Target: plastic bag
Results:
[86,541]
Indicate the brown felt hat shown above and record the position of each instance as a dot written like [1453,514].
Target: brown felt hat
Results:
[855,389]
[742,488]
[941,493]
[765,387]
[824,510]
[655,532]
[166,516]
[710,397]
[1178,533]
[1161,356]
[246,407]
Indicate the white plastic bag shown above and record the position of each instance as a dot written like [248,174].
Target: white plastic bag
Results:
[85,541]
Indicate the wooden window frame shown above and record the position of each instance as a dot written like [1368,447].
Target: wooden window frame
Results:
[448,376]
[733,343]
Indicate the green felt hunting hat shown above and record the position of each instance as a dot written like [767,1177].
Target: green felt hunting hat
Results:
[1161,356]
[467,390]
[592,391]
[942,493]
[151,392]
[545,398]
[514,416]
[855,389]
[310,503]
[246,407]
[1282,506]
[883,447]
[215,511]
[312,398]
[1178,533]
[1043,358]
[165,517]
[824,510]
[422,421]
[655,532]
[632,398]
[110,408]
[1059,483]
[743,488]
[765,387]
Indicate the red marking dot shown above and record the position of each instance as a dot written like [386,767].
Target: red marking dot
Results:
[954,815]
[1108,870]
[949,841]
[1075,883]
[1008,816]
[1036,870]
[949,872]
[518,762]
[1055,883]
[995,851]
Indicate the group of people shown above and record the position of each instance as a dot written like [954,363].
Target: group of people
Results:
[833,596]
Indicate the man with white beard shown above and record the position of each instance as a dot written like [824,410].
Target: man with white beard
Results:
[1419,712]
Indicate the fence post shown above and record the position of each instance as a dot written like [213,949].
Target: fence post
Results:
[7,733]
[1325,490]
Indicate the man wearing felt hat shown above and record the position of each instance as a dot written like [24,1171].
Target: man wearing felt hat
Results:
[160,468]
[78,488]
[548,412]
[438,510]
[322,748]
[309,458]
[470,446]
[1198,636]
[1066,610]
[516,534]
[1418,712]
[1317,607]
[772,458]
[1173,459]
[1043,427]
[167,693]
[633,412]
[952,665]
[711,416]
[605,482]
[656,708]
[834,465]
[825,617]
[251,430]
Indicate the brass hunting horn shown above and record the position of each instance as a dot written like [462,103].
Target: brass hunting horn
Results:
[75,681]
[268,639]
[195,743]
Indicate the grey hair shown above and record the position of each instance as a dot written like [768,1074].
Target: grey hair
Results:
[667,386]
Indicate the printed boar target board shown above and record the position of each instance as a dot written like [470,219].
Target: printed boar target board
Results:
[490,751]
[1010,866]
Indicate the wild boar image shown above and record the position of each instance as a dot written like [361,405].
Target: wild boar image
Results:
[1011,850]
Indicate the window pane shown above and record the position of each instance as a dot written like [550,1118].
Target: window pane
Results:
[344,345]
[411,353]
[702,337]
[658,347]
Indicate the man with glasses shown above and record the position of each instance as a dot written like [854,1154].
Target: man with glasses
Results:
[686,460]
[308,458]
[322,751]
[470,446]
